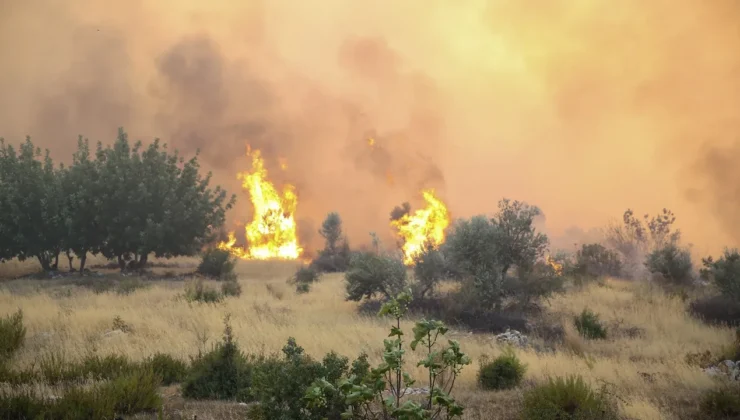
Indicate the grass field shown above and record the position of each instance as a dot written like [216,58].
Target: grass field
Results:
[642,361]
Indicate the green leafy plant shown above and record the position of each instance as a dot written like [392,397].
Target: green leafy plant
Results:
[197,291]
[335,256]
[371,274]
[724,272]
[231,288]
[589,325]
[504,372]
[570,398]
[429,269]
[166,367]
[302,288]
[595,260]
[672,263]
[218,264]
[378,392]
[12,334]
[306,275]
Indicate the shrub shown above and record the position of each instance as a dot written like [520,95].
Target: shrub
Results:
[129,285]
[595,260]
[305,275]
[721,403]
[197,291]
[725,273]
[224,373]
[280,384]
[505,372]
[720,310]
[335,256]
[672,263]
[54,368]
[429,269]
[517,240]
[569,398]
[302,288]
[231,288]
[371,274]
[169,369]
[589,325]
[134,392]
[377,392]
[12,334]
[217,263]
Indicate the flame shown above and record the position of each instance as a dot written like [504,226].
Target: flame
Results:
[555,265]
[371,142]
[272,232]
[427,224]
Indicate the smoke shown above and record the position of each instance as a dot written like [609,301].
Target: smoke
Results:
[582,107]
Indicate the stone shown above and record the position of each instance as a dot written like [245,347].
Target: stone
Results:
[512,337]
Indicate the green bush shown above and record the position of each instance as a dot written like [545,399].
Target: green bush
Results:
[571,398]
[505,372]
[721,403]
[370,274]
[169,369]
[589,325]
[306,275]
[12,334]
[302,288]
[279,384]
[54,368]
[224,373]
[672,263]
[197,291]
[217,263]
[231,288]
[724,273]
[594,261]
[429,269]
[134,392]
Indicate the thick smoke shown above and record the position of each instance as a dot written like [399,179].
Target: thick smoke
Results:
[583,107]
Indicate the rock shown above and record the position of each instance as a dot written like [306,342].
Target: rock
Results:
[113,333]
[513,337]
[713,371]
[727,368]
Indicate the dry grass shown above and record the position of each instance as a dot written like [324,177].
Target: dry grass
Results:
[643,360]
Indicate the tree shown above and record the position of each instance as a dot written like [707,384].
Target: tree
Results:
[82,204]
[672,263]
[595,260]
[429,269]
[331,231]
[372,274]
[335,256]
[724,272]
[519,244]
[32,205]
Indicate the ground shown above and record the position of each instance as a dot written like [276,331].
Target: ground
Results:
[643,361]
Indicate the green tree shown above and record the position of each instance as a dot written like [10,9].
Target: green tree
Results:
[672,263]
[519,244]
[372,274]
[31,204]
[331,231]
[724,272]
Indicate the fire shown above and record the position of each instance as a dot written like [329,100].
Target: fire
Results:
[272,232]
[424,225]
[555,265]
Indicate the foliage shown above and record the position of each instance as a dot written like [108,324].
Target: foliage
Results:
[166,367]
[12,334]
[335,256]
[720,310]
[371,274]
[197,291]
[31,213]
[504,372]
[306,275]
[231,288]
[280,383]
[571,398]
[429,269]
[518,241]
[595,260]
[540,281]
[721,403]
[589,325]
[217,263]
[672,263]
[364,393]
[725,273]
[302,288]
[224,373]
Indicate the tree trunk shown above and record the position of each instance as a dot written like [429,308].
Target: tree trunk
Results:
[142,261]
[70,258]
[56,261]
[122,263]
[44,261]
[83,260]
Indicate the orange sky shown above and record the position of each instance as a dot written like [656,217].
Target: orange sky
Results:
[583,107]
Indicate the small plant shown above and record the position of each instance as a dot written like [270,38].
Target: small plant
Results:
[217,263]
[589,325]
[305,275]
[722,403]
[120,324]
[224,373]
[571,398]
[129,285]
[370,274]
[231,288]
[197,291]
[302,288]
[672,263]
[12,334]
[505,372]
[378,392]
[169,369]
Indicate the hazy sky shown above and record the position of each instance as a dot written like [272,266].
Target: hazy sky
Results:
[583,107]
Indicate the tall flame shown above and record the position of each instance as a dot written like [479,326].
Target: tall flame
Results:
[424,225]
[556,266]
[272,232]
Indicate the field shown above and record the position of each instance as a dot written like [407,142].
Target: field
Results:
[643,361]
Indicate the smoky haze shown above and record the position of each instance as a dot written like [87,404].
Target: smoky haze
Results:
[583,107]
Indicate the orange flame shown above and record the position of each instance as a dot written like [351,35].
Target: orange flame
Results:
[272,232]
[555,265]
[424,225]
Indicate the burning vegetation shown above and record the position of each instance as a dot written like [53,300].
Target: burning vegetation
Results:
[425,225]
[272,232]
